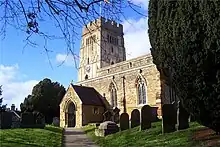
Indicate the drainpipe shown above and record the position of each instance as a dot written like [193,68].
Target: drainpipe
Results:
[124,99]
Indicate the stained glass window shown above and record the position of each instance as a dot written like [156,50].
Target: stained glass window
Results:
[113,95]
[141,91]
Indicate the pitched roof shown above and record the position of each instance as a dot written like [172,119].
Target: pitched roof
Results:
[88,95]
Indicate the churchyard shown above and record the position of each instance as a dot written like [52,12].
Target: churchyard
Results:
[144,129]
[50,136]
[150,138]
[28,129]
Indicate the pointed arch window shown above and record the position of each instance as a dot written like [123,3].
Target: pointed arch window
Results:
[113,95]
[141,88]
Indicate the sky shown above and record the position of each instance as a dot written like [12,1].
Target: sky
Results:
[23,67]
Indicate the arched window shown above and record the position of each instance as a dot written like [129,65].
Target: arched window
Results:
[141,88]
[113,95]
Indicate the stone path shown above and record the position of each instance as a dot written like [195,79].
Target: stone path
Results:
[76,138]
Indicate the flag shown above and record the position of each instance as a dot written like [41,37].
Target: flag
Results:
[106,1]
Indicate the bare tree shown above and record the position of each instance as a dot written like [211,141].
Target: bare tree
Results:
[66,15]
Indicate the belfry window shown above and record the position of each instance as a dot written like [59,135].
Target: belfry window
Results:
[141,89]
[86,77]
[113,95]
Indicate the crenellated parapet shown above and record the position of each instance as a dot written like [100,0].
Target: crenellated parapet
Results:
[103,23]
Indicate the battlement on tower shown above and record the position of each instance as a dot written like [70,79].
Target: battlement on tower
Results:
[103,23]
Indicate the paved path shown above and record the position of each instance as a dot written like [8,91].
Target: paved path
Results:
[76,138]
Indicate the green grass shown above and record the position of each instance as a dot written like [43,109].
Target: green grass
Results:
[149,138]
[49,137]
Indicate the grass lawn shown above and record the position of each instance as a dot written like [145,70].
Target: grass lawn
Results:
[48,137]
[148,138]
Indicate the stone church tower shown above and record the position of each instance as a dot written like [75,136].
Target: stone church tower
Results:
[107,81]
[102,45]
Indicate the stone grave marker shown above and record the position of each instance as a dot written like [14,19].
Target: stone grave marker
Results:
[192,118]
[124,121]
[107,116]
[135,118]
[182,117]
[169,118]
[116,115]
[146,117]
[155,114]
[106,128]
[56,121]
[6,120]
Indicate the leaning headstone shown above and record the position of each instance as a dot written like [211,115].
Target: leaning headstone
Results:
[146,117]
[106,128]
[116,115]
[169,118]
[56,121]
[124,121]
[182,117]
[135,118]
[107,116]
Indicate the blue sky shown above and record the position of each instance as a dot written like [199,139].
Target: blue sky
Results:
[21,68]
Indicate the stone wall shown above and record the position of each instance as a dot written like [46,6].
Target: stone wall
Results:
[99,52]
[89,116]
[69,97]
[141,66]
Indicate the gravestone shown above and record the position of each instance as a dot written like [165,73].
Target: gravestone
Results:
[135,118]
[154,114]
[146,117]
[27,120]
[169,118]
[56,121]
[6,120]
[124,121]
[182,117]
[116,115]
[106,128]
[107,116]
[192,118]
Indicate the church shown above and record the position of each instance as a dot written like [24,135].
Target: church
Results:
[106,80]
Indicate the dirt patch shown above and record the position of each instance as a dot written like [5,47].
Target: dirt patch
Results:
[207,137]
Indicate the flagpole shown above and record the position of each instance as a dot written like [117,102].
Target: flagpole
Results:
[100,9]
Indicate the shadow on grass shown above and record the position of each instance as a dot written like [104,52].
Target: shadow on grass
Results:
[206,137]
[53,129]
[89,130]
[17,143]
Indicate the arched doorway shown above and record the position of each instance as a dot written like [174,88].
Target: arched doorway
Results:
[70,119]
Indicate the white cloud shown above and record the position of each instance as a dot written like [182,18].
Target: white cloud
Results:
[142,3]
[67,60]
[136,37]
[14,88]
